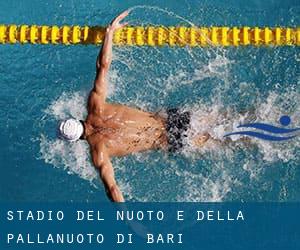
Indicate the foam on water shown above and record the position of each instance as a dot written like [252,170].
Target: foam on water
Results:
[218,120]
[200,81]
[73,157]
[211,188]
[214,186]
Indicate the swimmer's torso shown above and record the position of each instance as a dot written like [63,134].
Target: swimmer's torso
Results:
[124,130]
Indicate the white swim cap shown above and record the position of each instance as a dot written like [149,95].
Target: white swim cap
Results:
[70,130]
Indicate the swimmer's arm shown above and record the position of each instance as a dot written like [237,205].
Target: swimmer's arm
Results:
[105,56]
[103,164]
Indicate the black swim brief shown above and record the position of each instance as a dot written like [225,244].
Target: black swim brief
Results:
[177,125]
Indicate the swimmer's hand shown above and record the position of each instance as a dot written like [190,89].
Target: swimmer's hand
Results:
[115,24]
[105,57]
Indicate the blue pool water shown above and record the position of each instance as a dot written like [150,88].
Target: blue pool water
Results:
[42,84]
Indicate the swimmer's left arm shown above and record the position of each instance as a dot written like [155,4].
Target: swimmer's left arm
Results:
[103,164]
[105,56]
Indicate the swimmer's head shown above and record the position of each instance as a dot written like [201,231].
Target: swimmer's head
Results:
[70,130]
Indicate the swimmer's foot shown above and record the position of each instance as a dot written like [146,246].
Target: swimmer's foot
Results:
[200,140]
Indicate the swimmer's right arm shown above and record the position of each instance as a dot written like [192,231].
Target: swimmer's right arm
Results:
[103,164]
[105,56]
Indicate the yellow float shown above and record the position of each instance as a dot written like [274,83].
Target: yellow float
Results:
[152,35]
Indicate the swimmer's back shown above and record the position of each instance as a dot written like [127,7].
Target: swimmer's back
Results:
[126,130]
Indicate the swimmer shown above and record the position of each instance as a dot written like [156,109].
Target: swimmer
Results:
[114,130]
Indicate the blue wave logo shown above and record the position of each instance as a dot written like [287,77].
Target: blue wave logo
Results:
[279,133]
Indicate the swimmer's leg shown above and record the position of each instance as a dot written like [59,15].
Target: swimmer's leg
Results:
[200,140]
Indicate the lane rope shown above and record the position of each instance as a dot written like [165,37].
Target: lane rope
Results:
[152,35]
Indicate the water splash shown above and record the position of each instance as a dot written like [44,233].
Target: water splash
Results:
[211,84]
[192,184]
[74,158]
